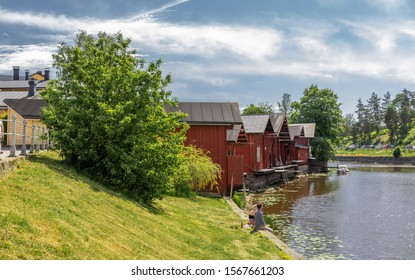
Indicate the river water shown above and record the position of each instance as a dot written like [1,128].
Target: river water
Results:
[367,214]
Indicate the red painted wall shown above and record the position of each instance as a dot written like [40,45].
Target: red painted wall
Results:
[268,152]
[300,153]
[213,139]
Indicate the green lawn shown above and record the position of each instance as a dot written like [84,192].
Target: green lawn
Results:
[49,211]
[374,152]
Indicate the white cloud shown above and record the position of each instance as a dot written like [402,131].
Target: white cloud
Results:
[158,10]
[207,40]
[33,57]
[297,48]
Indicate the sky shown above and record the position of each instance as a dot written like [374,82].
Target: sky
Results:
[235,50]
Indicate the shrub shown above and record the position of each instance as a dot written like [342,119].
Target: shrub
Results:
[239,200]
[322,149]
[197,172]
[397,152]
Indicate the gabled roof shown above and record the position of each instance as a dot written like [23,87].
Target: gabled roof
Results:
[256,123]
[280,124]
[236,134]
[216,113]
[296,130]
[277,120]
[309,130]
[302,129]
[27,108]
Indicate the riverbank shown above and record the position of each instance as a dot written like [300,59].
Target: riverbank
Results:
[50,211]
[285,251]
[406,161]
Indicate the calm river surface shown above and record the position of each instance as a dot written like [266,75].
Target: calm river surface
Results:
[367,214]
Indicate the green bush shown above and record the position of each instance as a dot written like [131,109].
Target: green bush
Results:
[197,172]
[322,149]
[239,200]
[397,152]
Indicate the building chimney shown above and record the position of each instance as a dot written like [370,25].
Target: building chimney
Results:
[16,70]
[47,72]
[26,77]
[32,88]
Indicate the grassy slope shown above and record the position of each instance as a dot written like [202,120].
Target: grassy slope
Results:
[374,152]
[49,211]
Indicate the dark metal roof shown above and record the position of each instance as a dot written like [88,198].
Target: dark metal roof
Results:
[9,77]
[27,108]
[23,84]
[209,112]
[10,95]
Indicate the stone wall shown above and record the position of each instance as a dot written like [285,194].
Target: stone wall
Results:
[316,166]
[9,164]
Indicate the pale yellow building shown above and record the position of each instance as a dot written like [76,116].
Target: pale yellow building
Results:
[25,109]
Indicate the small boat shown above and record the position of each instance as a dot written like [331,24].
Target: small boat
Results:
[342,169]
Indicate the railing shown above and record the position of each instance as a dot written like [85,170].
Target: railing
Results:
[39,138]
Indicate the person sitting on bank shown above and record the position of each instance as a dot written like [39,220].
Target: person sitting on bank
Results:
[259,220]
[251,215]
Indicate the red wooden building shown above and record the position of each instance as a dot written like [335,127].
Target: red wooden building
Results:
[300,146]
[217,128]
[268,142]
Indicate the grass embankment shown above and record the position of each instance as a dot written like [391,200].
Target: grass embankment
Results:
[49,211]
[374,152]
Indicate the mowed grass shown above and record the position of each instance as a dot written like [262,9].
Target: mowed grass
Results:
[50,211]
[374,152]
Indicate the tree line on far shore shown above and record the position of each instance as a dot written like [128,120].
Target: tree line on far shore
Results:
[386,120]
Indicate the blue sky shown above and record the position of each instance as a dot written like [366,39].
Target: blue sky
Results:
[234,50]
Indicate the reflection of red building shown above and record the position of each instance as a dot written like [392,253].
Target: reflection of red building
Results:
[217,128]
[300,146]
[268,142]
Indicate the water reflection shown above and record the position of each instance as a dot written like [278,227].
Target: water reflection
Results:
[368,214]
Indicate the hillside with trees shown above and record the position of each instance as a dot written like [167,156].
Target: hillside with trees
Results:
[381,121]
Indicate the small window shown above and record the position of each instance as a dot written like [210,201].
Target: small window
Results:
[258,154]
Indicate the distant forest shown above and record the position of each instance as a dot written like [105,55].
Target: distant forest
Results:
[379,120]
[382,120]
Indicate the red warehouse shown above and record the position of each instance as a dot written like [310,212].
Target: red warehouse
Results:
[217,128]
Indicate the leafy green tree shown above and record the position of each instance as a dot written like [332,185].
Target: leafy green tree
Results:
[349,124]
[322,149]
[320,106]
[262,108]
[108,118]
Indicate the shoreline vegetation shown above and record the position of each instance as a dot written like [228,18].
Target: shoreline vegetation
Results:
[405,153]
[50,211]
